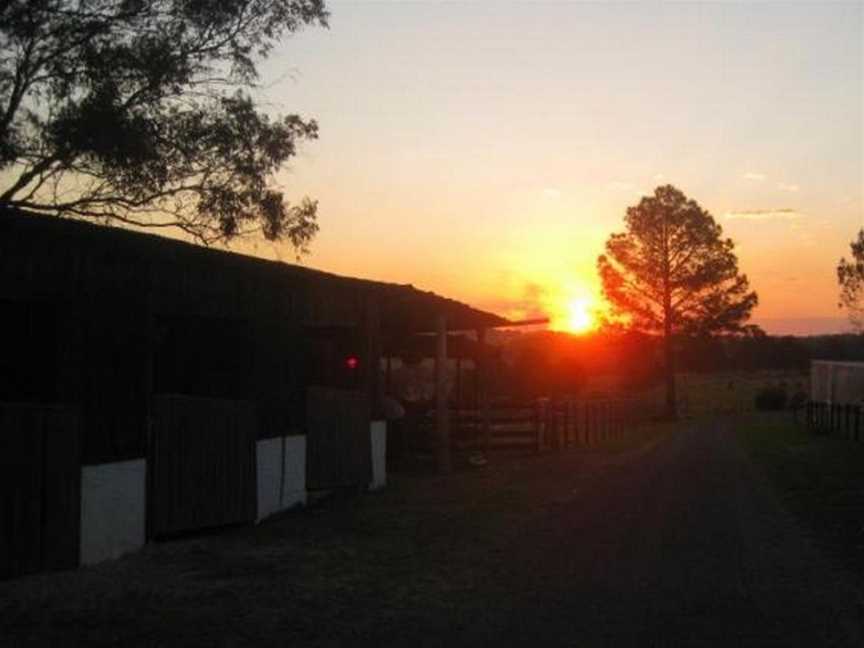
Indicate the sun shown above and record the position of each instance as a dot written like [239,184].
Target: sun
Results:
[580,317]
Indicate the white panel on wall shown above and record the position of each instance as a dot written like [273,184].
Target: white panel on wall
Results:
[281,474]
[113,509]
[269,457]
[294,492]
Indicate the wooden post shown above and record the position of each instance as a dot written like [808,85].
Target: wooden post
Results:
[540,418]
[847,413]
[458,399]
[387,375]
[589,424]
[586,424]
[560,410]
[481,367]
[442,417]
[607,427]
[371,366]
[577,427]
[857,433]
[571,421]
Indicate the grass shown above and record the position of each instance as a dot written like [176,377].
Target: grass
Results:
[715,393]
[819,479]
[708,394]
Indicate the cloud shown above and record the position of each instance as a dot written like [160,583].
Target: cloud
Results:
[755,177]
[659,176]
[551,193]
[763,214]
[793,188]
[530,305]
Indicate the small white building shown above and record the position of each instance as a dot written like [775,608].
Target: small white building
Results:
[837,383]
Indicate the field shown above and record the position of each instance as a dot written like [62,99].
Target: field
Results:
[705,394]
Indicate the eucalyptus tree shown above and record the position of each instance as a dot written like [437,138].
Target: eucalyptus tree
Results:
[141,112]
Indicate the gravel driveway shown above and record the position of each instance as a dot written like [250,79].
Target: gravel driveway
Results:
[676,542]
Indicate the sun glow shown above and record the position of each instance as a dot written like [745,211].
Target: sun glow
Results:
[580,316]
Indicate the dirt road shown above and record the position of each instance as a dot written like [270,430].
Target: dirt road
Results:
[685,545]
[680,542]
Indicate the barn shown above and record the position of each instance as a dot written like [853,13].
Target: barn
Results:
[150,387]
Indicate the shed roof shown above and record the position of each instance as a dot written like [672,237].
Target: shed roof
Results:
[402,306]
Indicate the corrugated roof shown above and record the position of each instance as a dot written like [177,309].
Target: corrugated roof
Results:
[403,307]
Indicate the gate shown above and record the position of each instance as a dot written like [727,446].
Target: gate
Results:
[338,447]
[40,489]
[202,470]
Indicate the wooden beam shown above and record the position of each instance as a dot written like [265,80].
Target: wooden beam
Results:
[481,369]
[388,385]
[458,396]
[442,415]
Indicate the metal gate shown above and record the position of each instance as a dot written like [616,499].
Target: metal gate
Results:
[40,489]
[202,470]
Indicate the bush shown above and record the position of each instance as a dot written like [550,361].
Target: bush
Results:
[798,400]
[770,398]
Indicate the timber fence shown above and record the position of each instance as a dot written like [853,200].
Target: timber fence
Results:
[832,419]
[545,424]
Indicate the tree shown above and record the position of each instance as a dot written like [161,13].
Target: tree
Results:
[672,273]
[850,276]
[139,112]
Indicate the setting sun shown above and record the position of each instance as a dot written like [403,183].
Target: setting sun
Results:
[579,316]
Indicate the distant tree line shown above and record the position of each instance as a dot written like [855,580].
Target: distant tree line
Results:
[558,364]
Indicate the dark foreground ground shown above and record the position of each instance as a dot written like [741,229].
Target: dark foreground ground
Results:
[677,541]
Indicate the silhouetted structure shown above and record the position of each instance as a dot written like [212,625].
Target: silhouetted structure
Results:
[150,387]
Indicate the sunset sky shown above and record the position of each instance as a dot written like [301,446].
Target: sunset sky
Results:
[485,150]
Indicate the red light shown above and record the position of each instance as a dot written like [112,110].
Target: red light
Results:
[352,362]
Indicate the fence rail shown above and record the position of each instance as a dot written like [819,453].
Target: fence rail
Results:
[538,426]
[832,419]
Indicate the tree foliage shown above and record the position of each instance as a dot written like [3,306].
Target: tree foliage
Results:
[672,272]
[850,276]
[139,112]
[673,267]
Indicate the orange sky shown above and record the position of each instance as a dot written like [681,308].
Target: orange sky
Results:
[486,150]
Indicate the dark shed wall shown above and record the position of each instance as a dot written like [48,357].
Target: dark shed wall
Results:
[93,301]
[112,317]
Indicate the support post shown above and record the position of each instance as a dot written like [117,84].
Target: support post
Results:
[388,384]
[481,368]
[458,399]
[442,415]
[857,434]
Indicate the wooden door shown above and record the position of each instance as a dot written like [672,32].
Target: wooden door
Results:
[202,469]
[338,447]
[40,489]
